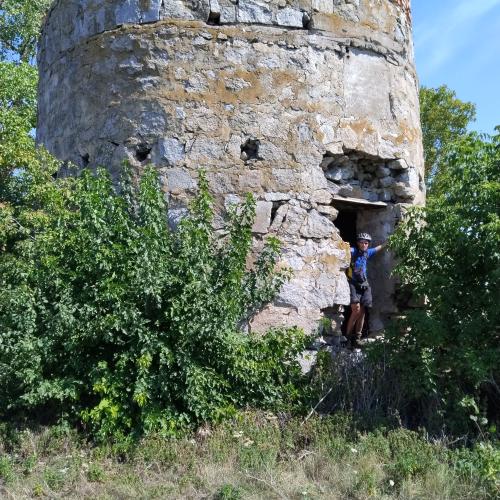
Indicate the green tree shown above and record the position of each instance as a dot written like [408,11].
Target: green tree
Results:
[17,115]
[20,22]
[449,252]
[444,119]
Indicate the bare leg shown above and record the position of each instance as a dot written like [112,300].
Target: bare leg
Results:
[359,322]
[355,310]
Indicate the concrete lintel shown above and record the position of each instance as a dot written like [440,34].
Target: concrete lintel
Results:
[359,202]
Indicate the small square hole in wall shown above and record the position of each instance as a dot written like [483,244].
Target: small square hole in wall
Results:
[85,160]
[250,150]
[213,18]
[142,152]
[306,21]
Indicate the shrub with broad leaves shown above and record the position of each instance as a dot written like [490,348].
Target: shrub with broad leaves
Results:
[110,318]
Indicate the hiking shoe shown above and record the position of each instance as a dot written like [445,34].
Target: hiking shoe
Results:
[357,343]
[352,343]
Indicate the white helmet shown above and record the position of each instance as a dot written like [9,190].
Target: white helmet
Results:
[364,236]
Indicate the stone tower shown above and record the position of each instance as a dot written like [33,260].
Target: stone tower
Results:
[312,105]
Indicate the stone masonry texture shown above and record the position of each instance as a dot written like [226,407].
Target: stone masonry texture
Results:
[301,102]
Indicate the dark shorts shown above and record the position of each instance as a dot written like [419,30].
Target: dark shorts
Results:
[361,296]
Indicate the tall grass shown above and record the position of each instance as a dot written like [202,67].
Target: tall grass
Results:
[256,455]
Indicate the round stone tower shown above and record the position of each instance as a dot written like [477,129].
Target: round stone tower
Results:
[312,105]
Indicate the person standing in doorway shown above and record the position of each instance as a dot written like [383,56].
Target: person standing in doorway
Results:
[361,293]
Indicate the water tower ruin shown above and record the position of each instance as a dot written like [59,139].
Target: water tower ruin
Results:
[312,105]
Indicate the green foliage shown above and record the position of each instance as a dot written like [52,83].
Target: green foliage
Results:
[108,316]
[6,473]
[20,22]
[54,478]
[446,354]
[228,492]
[444,119]
[17,116]
[95,474]
[482,461]
[411,455]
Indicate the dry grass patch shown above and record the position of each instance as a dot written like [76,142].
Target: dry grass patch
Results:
[252,457]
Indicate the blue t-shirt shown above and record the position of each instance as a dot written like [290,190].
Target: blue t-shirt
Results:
[358,266]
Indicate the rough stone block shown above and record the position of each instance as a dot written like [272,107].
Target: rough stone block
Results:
[328,211]
[324,6]
[334,174]
[175,215]
[289,17]
[398,164]
[307,361]
[215,7]
[295,217]
[404,191]
[250,11]
[410,177]
[387,181]
[279,216]
[284,179]
[272,153]
[262,217]
[350,191]
[383,171]
[273,315]
[322,196]
[133,11]
[370,195]
[231,200]
[228,14]
[170,150]
[385,195]
[180,9]
[178,180]
[317,226]
[251,181]
[270,196]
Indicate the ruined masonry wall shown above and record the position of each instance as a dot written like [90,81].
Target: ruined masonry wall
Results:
[293,100]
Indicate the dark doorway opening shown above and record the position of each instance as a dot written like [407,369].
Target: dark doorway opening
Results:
[346,223]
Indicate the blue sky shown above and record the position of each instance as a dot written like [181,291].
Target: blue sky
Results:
[457,43]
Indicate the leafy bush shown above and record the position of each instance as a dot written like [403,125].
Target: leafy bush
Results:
[108,316]
[481,461]
[446,353]
[411,455]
